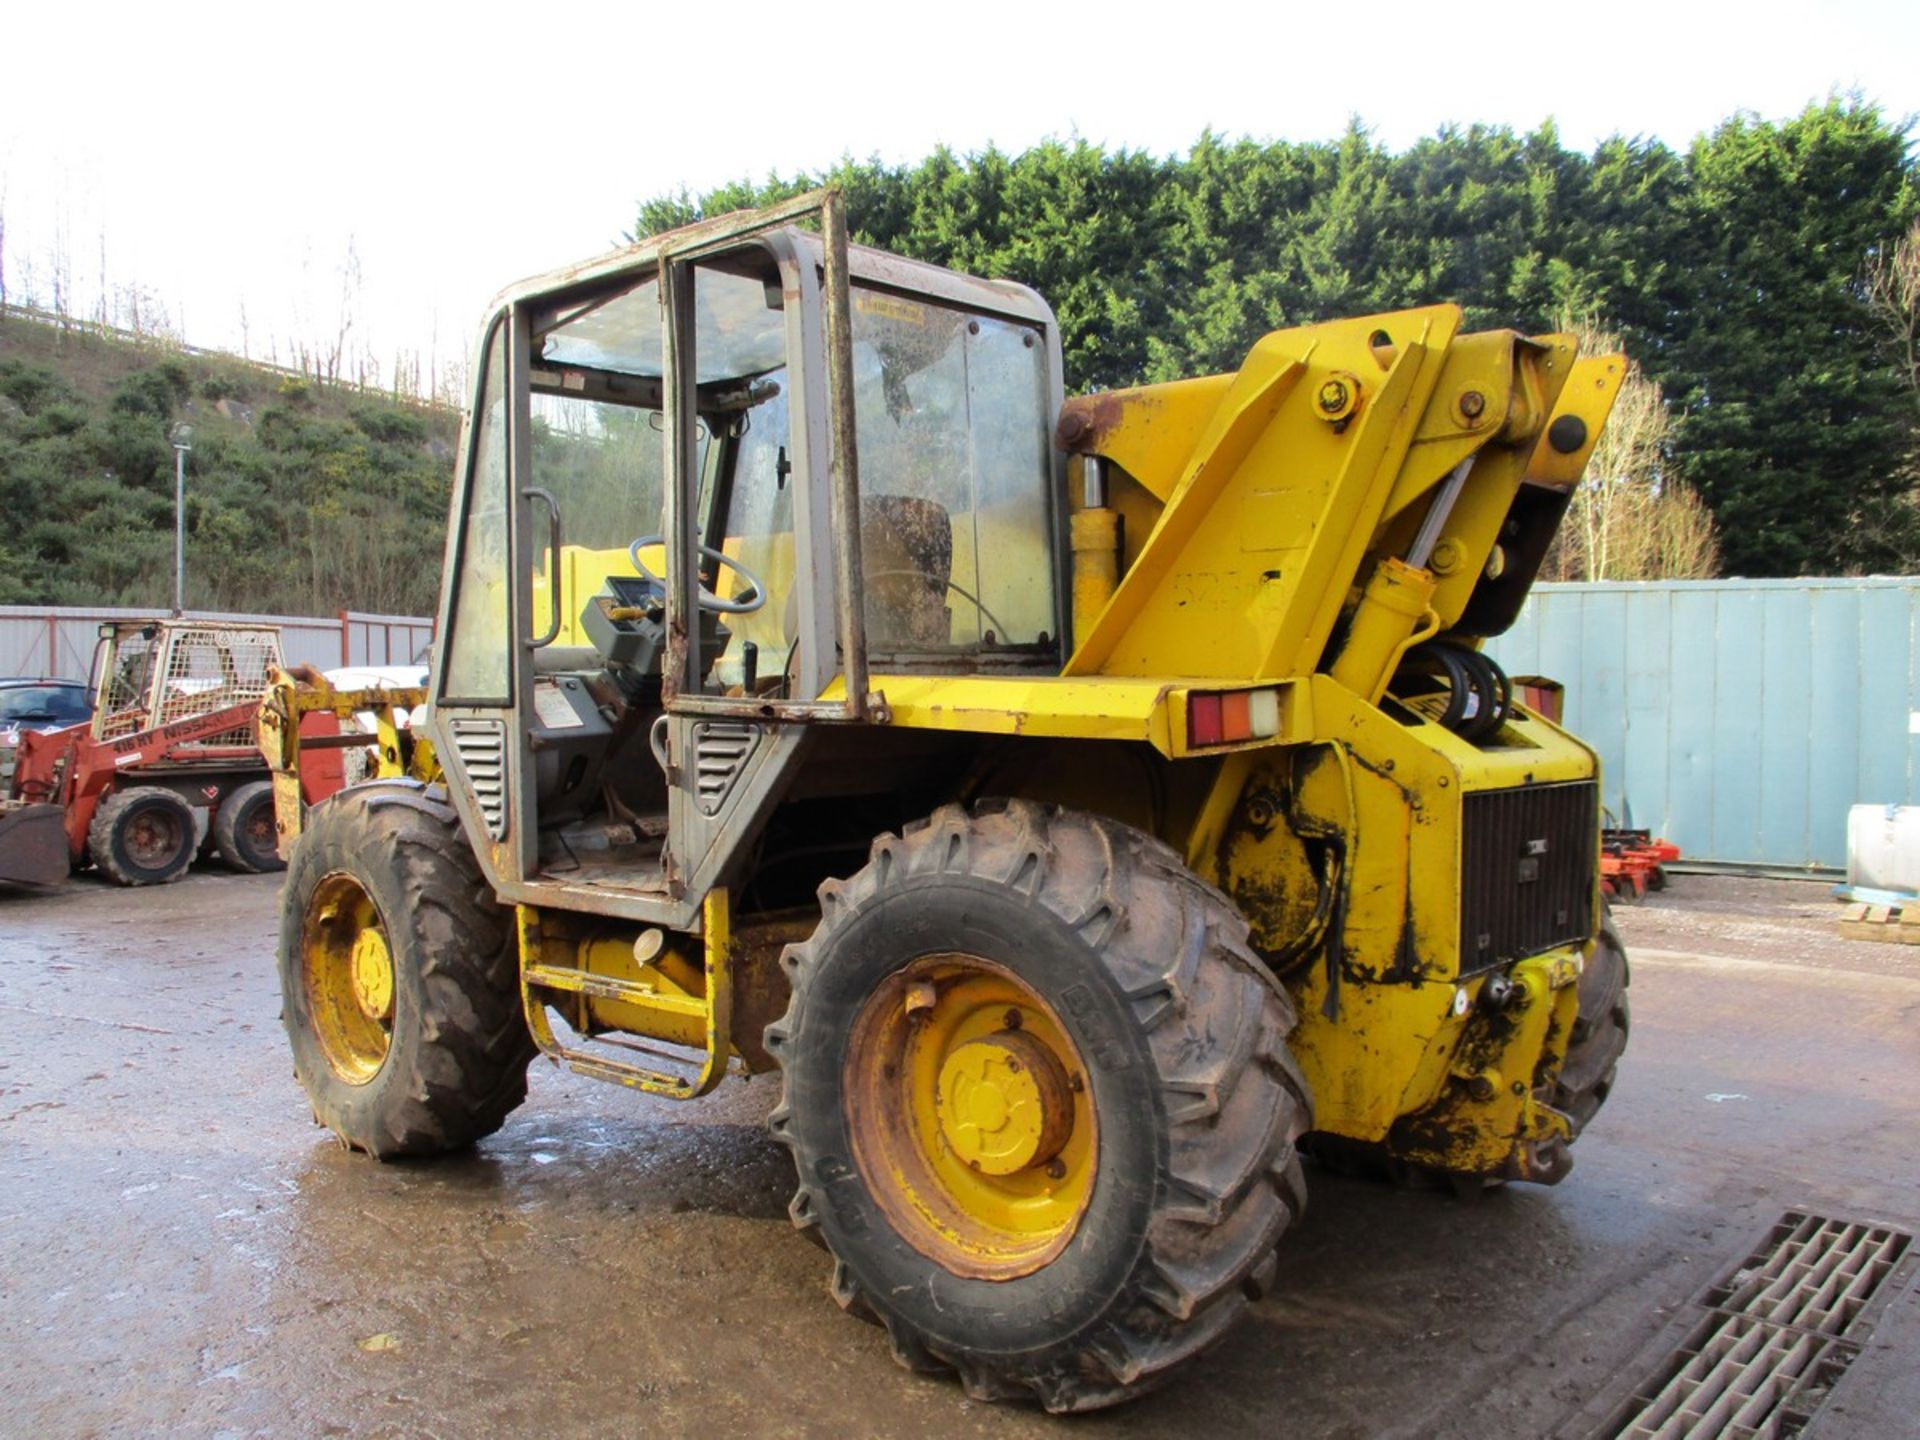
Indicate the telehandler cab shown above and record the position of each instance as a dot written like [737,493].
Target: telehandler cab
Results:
[1084,805]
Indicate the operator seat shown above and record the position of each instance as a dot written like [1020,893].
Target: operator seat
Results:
[907,546]
[907,549]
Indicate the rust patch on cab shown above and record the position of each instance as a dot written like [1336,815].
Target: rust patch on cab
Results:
[1086,420]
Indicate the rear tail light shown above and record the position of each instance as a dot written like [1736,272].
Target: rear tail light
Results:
[1232,717]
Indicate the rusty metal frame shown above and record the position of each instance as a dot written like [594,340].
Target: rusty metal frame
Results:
[841,538]
[844,484]
[521,849]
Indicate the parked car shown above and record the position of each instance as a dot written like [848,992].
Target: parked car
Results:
[29,703]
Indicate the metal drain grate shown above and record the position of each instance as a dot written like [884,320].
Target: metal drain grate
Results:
[1773,1340]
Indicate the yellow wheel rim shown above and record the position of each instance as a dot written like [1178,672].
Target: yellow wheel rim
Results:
[971,1117]
[349,978]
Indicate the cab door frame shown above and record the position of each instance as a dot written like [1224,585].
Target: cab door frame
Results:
[825,535]
[484,740]
[730,757]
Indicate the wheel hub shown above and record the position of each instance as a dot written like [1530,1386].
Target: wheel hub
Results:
[1004,1103]
[373,975]
[970,1113]
[348,974]
[152,838]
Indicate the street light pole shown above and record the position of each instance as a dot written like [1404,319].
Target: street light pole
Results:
[182,443]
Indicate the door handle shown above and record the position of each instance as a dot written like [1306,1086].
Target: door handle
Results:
[545,497]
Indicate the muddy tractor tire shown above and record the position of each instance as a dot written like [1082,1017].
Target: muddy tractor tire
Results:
[144,835]
[243,828]
[399,977]
[1038,1093]
[1599,1032]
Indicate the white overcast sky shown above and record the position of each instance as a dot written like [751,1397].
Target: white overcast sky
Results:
[223,155]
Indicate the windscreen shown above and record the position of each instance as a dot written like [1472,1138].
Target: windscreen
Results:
[955,521]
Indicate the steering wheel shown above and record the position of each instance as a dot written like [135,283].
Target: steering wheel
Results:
[708,600]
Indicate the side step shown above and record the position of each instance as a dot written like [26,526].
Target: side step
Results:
[714,1009]
[610,987]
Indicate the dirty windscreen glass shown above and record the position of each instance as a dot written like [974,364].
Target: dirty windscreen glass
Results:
[605,464]
[600,447]
[738,318]
[955,473]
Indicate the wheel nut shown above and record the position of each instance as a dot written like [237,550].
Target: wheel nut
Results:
[1056,1169]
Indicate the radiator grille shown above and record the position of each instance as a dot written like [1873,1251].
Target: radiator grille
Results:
[482,745]
[1527,867]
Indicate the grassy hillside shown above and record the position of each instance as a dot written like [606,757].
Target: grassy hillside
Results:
[301,498]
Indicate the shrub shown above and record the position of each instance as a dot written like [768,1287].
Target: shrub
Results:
[222,386]
[30,386]
[399,427]
[153,392]
[60,417]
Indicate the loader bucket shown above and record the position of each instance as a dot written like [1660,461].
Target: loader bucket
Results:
[33,844]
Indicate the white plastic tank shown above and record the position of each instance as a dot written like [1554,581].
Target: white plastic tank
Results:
[1883,847]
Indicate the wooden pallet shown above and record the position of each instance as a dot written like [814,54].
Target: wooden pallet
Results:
[1892,924]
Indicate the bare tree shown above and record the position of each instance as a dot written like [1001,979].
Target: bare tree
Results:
[61,264]
[1893,294]
[1631,518]
[336,361]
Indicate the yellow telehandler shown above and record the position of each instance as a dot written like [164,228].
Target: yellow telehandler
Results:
[1085,806]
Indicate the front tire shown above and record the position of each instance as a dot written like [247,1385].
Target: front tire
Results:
[1038,1093]
[1599,1035]
[399,977]
[144,835]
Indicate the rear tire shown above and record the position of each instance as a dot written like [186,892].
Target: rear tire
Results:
[399,977]
[1599,1032]
[1188,1104]
[143,836]
[243,828]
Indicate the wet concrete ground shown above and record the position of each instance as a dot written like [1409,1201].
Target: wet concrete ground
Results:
[183,1252]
